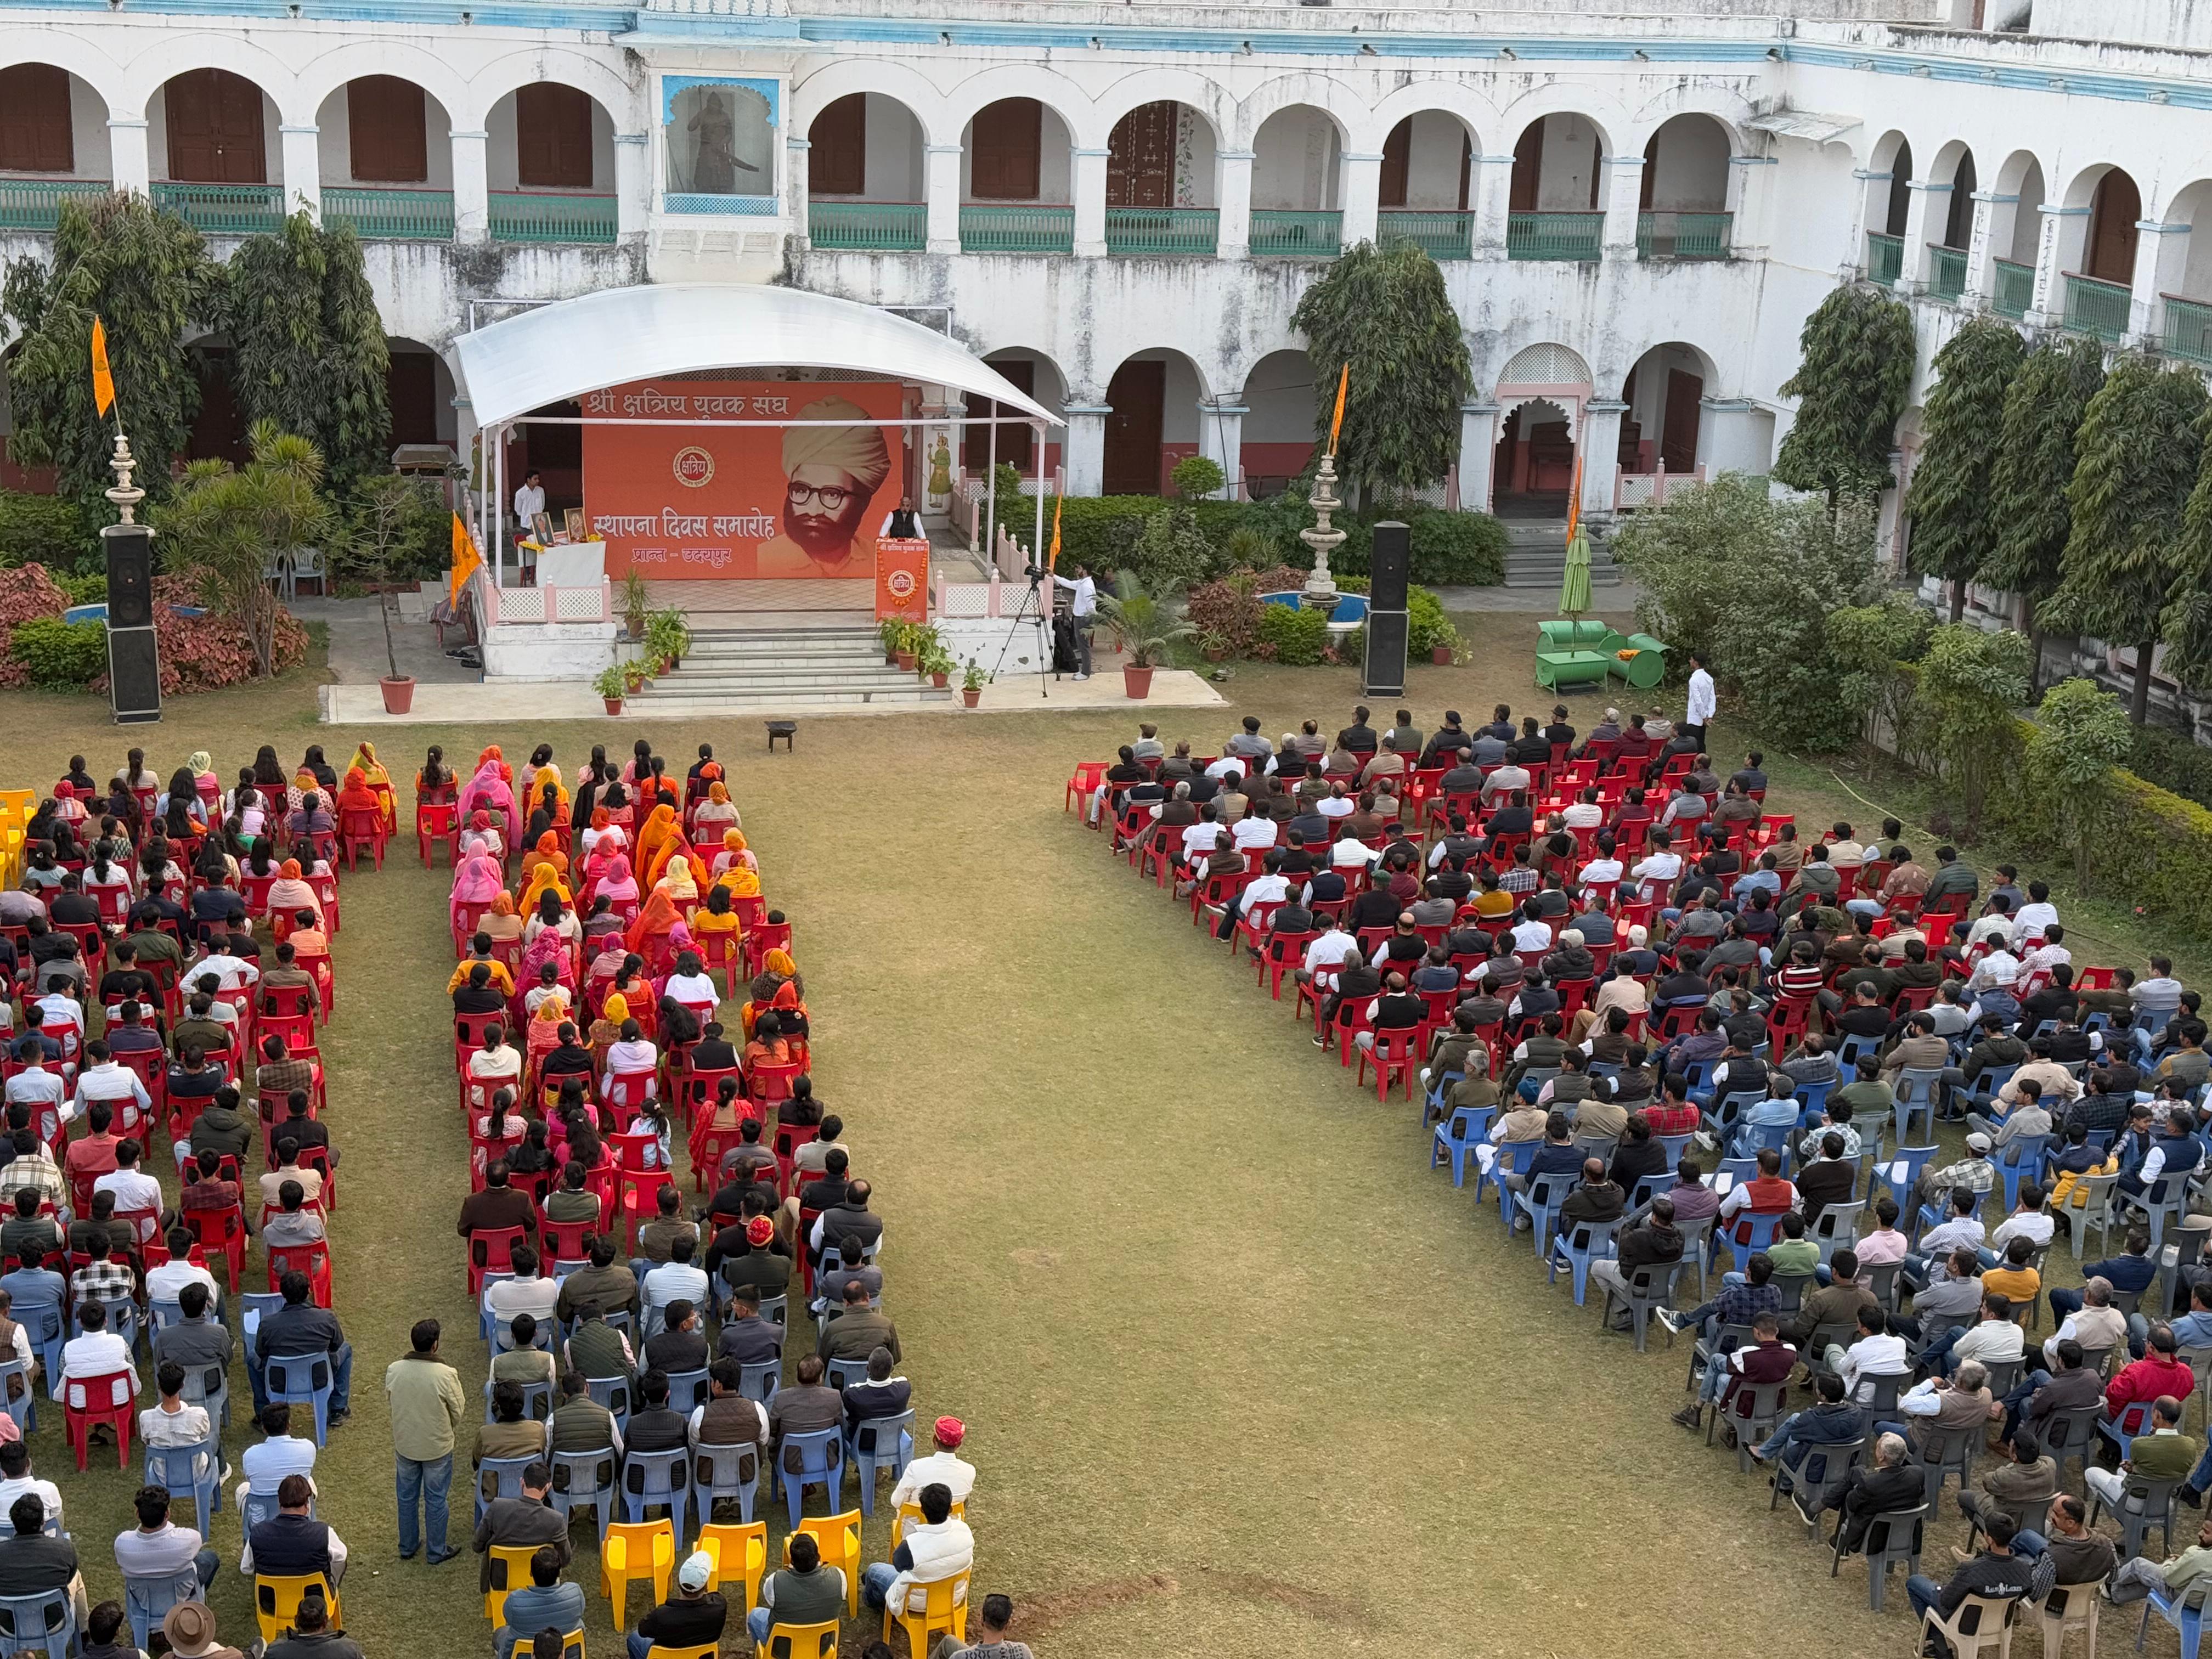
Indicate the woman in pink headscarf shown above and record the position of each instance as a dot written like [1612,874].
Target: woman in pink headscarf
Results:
[480,878]
[617,884]
[547,946]
[490,791]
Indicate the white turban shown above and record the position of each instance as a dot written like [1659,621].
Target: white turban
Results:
[859,452]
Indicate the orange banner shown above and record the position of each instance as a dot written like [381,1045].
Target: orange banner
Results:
[901,580]
[693,502]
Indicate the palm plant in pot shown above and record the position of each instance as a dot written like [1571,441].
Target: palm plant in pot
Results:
[1143,629]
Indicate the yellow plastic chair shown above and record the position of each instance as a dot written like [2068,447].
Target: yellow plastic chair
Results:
[510,1570]
[910,1515]
[276,1601]
[635,1553]
[704,1651]
[799,1642]
[838,1538]
[944,1608]
[572,1645]
[740,1556]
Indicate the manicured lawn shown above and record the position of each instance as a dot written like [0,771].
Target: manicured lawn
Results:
[1242,1376]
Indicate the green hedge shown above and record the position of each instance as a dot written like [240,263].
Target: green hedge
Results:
[47,530]
[61,656]
[1295,635]
[2173,761]
[2151,855]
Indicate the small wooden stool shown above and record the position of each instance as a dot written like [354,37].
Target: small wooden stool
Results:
[785,729]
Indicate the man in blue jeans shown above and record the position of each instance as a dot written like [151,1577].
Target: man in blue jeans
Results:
[301,1331]
[428,1406]
[1996,1573]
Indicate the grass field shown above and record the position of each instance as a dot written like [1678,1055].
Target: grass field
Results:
[1241,1377]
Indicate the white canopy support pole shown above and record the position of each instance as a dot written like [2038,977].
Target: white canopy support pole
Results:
[499,519]
[991,495]
[1037,547]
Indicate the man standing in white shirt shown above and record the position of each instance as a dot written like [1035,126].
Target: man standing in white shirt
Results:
[529,502]
[1082,612]
[1702,704]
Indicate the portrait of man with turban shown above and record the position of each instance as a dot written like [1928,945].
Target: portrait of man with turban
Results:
[830,474]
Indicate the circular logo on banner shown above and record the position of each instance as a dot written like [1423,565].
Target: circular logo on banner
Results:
[901,583]
[694,466]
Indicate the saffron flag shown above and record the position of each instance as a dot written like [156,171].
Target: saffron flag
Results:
[1336,425]
[466,560]
[103,379]
[1574,500]
[1053,563]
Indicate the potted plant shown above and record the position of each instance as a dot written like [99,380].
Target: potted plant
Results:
[937,662]
[634,604]
[1213,645]
[888,631]
[971,683]
[906,646]
[667,637]
[383,531]
[611,683]
[1143,629]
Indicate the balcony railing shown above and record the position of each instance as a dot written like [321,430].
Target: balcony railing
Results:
[2098,307]
[2188,329]
[1885,258]
[1167,230]
[391,214]
[2012,289]
[223,209]
[36,204]
[996,229]
[521,215]
[1683,235]
[869,226]
[1946,271]
[1441,235]
[1317,234]
[1553,235]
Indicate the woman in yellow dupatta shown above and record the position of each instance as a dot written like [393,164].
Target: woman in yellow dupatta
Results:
[372,773]
[735,855]
[543,880]
[651,835]
[676,853]
[546,854]
[606,1030]
[777,970]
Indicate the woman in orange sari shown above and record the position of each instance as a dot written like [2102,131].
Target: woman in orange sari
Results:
[546,854]
[651,835]
[714,814]
[545,1037]
[502,922]
[355,796]
[657,931]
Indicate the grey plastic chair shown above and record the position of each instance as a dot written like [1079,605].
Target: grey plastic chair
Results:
[2143,1505]
[1948,1452]
[1881,1282]
[2004,1376]
[841,1374]
[1793,1287]
[1648,1288]
[1697,1249]
[1767,1400]
[148,1601]
[1818,1469]
[657,1477]
[721,1473]
[537,1399]
[499,1477]
[613,1393]
[687,1389]
[1838,1229]
[585,1479]
[759,1380]
[45,1620]
[1893,1539]
[2099,1210]
[2071,1435]
[1704,1352]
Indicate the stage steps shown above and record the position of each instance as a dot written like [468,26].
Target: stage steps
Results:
[766,668]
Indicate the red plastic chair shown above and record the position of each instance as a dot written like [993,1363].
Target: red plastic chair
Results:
[220,1231]
[626,1092]
[491,1250]
[436,820]
[769,1084]
[564,1240]
[764,937]
[637,1188]
[696,1091]
[298,1030]
[1080,787]
[318,962]
[1279,956]
[318,1158]
[312,1259]
[361,831]
[88,1402]
[1392,1056]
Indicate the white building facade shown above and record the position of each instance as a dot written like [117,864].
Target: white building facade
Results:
[1119,205]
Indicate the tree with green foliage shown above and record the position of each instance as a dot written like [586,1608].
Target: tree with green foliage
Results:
[1854,372]
[1969,684]
[1954,532]
[308,344]
[1872,639]
[223,524]
[1385,311]
[2139,447]
[2026,507]
[2080,735]
[148,278]
[2187,623]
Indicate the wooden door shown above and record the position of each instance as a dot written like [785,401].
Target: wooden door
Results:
[34,119]
[388,132]
[410,386]
[1140,157]
[1006,144]
[1138,396]
[552,136]
[218,430]
[2112,247]
[837,156]
[1397,163]
[1014,440]
[1528,170]
[215,128]
[1679,447]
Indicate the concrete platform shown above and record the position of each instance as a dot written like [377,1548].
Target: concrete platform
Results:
[450,705]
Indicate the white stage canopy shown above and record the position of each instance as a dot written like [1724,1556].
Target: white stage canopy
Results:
[559,351]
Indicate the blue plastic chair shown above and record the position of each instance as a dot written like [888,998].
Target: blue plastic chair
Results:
[25,1410]
[613,1393]
[1813,1097]
[843,1374]
[2019,1160]
[1514,1157]
[196,1469]
[1991,1079]
[1752,1139]
[1577,1245]
[1698,1079]
[148,1601]
[2185,1612]
[253,1307]
[1540,1203]
[894,1450]
[719,1473]
[658,1477]
[2134,1420]
[1457,1137]
[302,1379]
[504,1474]
[1650,1186]
[1738,1170]
[821,1464]
[759,1380]
[43,1323]
[582,1478]
[45,1620]
[160,1316]
[1917,1088]
[1915,1160]
[1433,1098]
[687,1389]
[1762,1228]
[537,1399]
[488,1323]
[1677,1147]
[1851,1047]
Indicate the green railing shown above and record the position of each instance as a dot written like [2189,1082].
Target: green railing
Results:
[224,210]
[425,216]
[522,216]
[1315,233]
[36,204]
[2188,329]
[1553,235]
[869,226]
[1885,258]
[1441,235]
[2012,289]
[1676,236]
[2096,307]
[1162,230]
[995,230]
[1946,271]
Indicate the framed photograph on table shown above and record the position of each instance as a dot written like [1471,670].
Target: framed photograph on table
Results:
[572,523]
[541,528]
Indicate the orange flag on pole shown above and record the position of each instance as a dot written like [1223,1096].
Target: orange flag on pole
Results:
[466,560]
[1052,564]
[103,379]
[1574,500]
[1336,425]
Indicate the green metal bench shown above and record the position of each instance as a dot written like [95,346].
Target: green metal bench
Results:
[1646,668]
[1584,634]
[1557,669]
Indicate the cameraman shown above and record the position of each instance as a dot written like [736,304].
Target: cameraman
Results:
[1082,611]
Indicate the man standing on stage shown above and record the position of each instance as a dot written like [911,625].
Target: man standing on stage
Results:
[1083,612]
[830,474]
[529,502]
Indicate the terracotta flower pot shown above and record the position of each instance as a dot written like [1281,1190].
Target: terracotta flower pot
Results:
[940,681]
[890,659]
[614,704]
[1217,653]
[906,660]
[1441,655]
[971,698]
[399,693]
[1137,681]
